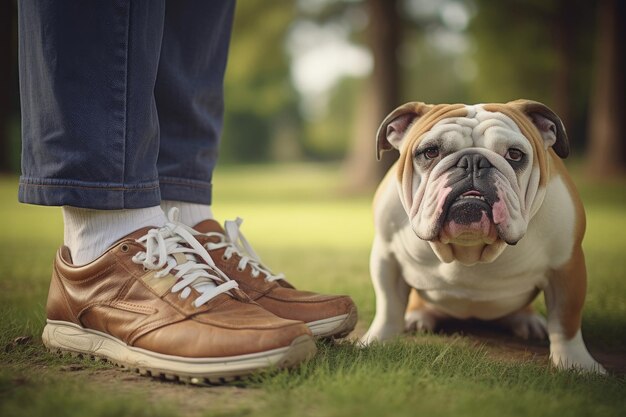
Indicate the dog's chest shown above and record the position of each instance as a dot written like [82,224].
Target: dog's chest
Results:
[482,290]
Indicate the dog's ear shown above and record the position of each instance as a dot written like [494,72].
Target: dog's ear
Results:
[549,125]
[393,128]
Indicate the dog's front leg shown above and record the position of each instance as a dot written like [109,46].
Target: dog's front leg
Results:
[565,296]
[391,294]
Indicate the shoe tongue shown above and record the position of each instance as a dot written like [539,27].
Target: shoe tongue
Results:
[209,226]
[204,285]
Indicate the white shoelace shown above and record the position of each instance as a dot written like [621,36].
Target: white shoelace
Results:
[164,243]
[235,242]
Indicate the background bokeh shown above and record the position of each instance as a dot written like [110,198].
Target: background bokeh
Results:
[311,79]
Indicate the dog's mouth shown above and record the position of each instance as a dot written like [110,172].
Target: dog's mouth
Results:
[467,219]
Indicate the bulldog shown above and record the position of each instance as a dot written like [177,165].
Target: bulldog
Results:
[477,217]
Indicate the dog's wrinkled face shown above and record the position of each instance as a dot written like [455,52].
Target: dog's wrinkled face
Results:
[471,177]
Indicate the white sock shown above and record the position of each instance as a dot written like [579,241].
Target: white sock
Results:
[89,233]
[190,213]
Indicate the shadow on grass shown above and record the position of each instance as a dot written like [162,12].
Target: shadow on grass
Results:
[505,346]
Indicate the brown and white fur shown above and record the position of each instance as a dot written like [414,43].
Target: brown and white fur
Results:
[430,261]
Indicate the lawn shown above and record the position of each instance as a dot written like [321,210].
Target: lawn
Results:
[301,224]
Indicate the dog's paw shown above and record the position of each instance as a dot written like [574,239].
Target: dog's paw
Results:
[573,354]
[366,340]
[421,320]
[380,332]
[526,325]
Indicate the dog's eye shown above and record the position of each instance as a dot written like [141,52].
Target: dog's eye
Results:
[514,155]
[431,153]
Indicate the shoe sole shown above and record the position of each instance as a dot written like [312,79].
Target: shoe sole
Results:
[334,327]
[65,337]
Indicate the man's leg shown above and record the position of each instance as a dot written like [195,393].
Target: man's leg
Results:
[89,121]
[153,301]
[190,98]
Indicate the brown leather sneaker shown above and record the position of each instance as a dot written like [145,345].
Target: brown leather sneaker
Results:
[326,315]
[154,303]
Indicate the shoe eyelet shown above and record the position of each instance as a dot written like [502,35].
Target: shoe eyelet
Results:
[145,269]
[224,258]
[239,269]
[124,248]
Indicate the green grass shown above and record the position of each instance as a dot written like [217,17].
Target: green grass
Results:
[302,226]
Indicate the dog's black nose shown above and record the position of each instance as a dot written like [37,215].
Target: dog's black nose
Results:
[473,162]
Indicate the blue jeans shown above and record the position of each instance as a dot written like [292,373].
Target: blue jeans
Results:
[122,101]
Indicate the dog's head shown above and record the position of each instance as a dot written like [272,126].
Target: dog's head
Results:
[471,177]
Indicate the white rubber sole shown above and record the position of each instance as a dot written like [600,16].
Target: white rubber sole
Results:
[61,336]
[335,327]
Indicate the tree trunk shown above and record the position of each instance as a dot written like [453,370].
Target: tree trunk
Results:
[7,39]
[607,151]
[379,98]
[565,34]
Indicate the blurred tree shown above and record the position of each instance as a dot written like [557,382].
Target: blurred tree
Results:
[260,100]
[536,49]
[564,33]
[380,95]
[607,151]
[419,54]
[543,50]
[9,106]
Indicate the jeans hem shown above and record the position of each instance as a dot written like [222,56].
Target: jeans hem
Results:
[98,196]
[187,190]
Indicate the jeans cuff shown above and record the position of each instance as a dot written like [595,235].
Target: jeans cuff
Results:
[54,192]
[187,190]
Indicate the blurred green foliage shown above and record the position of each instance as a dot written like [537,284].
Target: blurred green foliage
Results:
[259,95]
[328,138]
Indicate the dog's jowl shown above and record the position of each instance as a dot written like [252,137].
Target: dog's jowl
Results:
[477,217]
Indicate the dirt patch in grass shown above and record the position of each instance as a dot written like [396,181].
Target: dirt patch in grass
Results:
[183,399]
[45,370]
[188,400]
